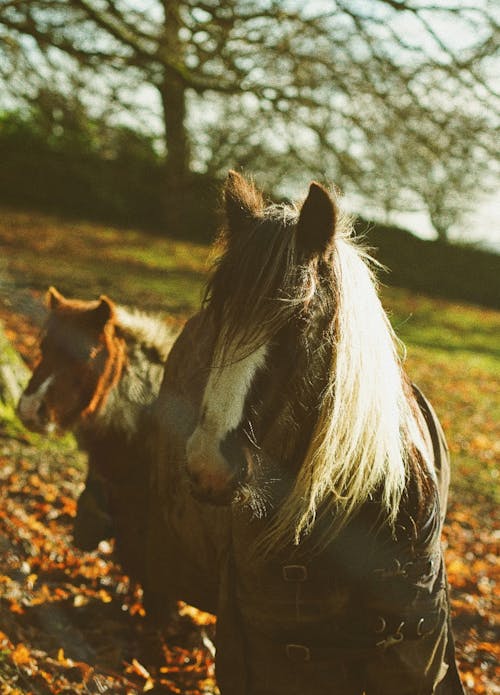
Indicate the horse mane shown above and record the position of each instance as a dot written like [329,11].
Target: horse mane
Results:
[114,364]
[367,441]
[148,331]
[367,437]
[245,290]
[148,340]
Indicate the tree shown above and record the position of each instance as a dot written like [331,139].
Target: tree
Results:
[441,180]
[447,187]
[285,82]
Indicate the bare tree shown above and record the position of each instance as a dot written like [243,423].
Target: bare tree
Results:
[302,84]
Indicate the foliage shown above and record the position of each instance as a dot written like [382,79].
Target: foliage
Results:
[72,622]
[456,271]
[361,92]
[57,158]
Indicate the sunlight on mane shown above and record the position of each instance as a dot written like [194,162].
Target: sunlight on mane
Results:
[148,340]
[366,428]
[148,329]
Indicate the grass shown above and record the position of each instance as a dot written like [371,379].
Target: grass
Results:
[87,260]
[464,333]
[453,351]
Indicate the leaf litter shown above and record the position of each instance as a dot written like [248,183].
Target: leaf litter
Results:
[72,622]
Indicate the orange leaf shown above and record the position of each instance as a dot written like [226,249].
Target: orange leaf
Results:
[21,655]
[138,669]
[16,607]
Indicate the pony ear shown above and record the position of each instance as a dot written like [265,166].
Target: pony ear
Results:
[244,203]
[316,225]
[55,299]
[104,311]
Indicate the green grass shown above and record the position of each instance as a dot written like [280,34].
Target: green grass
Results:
[453,353]
[464,333]
[85,260]
[453,349]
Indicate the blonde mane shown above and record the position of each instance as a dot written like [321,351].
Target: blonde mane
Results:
[367,428]
[148,330]
[148,340]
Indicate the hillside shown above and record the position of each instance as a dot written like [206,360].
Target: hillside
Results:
[453,353]
[459,272]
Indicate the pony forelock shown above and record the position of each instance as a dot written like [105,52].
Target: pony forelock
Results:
[257,285]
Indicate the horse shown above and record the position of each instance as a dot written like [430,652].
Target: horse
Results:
[291,410]
[99,372]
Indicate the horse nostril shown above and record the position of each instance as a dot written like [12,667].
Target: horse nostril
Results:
[194,476]
[235,454]
[42,412]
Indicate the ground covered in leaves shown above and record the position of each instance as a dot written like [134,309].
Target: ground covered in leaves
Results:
[70,622]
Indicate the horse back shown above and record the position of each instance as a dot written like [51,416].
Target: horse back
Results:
[441,452]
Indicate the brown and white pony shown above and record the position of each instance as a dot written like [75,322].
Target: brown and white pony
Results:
[99,372]
[335,467]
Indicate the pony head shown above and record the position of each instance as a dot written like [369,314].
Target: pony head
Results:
[80,361]
[264,293]
[306,410]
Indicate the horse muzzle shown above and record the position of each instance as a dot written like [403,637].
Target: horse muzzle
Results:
[216,469]
[34,415]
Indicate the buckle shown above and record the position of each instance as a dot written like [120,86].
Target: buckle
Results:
[390,640]
[294,573]
[420,625]
[298,652]
[380,625]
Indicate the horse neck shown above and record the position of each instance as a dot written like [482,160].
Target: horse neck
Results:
[129,397]
[109,377]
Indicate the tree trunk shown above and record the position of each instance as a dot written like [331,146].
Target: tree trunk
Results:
[173,98]
[438,224]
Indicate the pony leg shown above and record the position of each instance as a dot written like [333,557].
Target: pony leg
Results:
[93,522]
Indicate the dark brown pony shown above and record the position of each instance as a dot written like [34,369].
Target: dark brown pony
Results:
[99,372]
[297,413]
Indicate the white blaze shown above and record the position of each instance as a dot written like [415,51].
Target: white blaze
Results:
[222,408]
[29,405]
[226,392]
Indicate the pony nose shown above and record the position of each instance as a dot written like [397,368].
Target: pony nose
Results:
[213,475]
[32,413]
[26,410]
[31,408]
